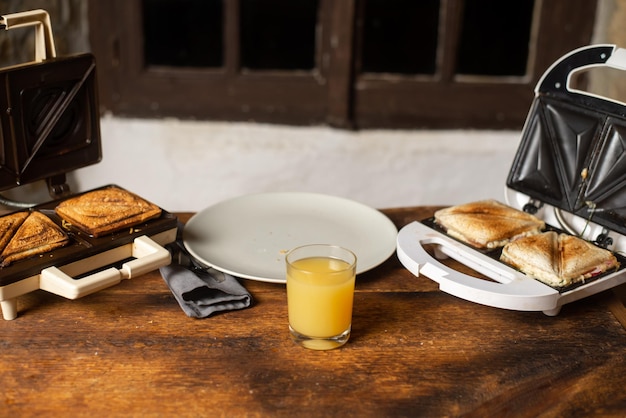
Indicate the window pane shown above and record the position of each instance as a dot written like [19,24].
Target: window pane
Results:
[183,33]
[278,34]
[495,37]
[400,36]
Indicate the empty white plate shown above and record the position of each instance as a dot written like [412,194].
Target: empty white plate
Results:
[248,236]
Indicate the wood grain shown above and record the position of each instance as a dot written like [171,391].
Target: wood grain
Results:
[415,351]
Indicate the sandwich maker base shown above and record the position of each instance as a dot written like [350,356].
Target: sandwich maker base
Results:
[50,125]
[88,264]
[569,170]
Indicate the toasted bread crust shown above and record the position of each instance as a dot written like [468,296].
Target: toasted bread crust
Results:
[101,212]
[36,235]
[536,256]
[581,259]
[487,223]
[9,224]
[557,259]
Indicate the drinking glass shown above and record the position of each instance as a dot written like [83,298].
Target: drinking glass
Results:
[320,293]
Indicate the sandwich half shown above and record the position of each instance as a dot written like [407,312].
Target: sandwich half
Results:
[558,260]
[9,224]
[106,210]
[37,234]
[487,224]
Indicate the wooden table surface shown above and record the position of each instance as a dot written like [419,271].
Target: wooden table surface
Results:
[415,351]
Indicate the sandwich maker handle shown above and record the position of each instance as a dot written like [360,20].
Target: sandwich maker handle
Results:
[44,41]
[510,290]
[148,256]
[557,78]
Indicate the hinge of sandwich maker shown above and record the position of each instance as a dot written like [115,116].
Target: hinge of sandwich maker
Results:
[532,206]
[603,239]
[57,186]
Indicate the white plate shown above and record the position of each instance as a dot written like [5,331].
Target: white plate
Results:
[248,236]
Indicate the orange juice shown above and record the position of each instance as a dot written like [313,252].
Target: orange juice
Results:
[320,292]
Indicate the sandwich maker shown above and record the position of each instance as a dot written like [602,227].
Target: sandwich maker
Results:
[49,127]
[569,170]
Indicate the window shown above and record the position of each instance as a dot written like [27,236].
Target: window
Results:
[400,39]
[199,45]
[495,38]
[349,63]
[278,41]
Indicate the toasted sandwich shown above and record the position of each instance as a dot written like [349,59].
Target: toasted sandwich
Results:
[487,224]
[558,260]
[9,225]
[36,235]
[106,210]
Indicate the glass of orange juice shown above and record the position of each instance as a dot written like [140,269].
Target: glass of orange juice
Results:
[320,292]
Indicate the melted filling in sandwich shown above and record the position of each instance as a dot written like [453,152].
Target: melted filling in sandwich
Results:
[558,260]
[107,210]
[487,224]
[27,234]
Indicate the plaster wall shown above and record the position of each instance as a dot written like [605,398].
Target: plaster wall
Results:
[191,165]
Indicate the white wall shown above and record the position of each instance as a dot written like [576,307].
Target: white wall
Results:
[187,166]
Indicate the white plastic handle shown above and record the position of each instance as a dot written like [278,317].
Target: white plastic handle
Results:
[148,256]
[511,290]
[617,59]
[44,41]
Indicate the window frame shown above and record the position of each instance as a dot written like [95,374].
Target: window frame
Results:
[335,93]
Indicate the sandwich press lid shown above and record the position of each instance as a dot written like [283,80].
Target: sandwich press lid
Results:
[50,120]
[572,151]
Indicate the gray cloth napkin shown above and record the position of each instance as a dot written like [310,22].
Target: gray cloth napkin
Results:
[202,291]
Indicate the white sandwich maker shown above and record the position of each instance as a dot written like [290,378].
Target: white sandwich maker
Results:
[569,170]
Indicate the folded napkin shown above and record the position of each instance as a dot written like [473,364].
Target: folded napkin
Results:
[202,291]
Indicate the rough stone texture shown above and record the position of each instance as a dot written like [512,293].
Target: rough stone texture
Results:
[69,26]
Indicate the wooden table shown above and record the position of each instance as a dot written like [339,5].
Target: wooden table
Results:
[414,351]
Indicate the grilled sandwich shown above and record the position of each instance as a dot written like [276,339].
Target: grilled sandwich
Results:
[487,224]
[9,225]
[103,211]
[558,260]
[36,234]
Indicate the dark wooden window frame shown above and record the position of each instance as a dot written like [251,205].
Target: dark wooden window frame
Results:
[335,93]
